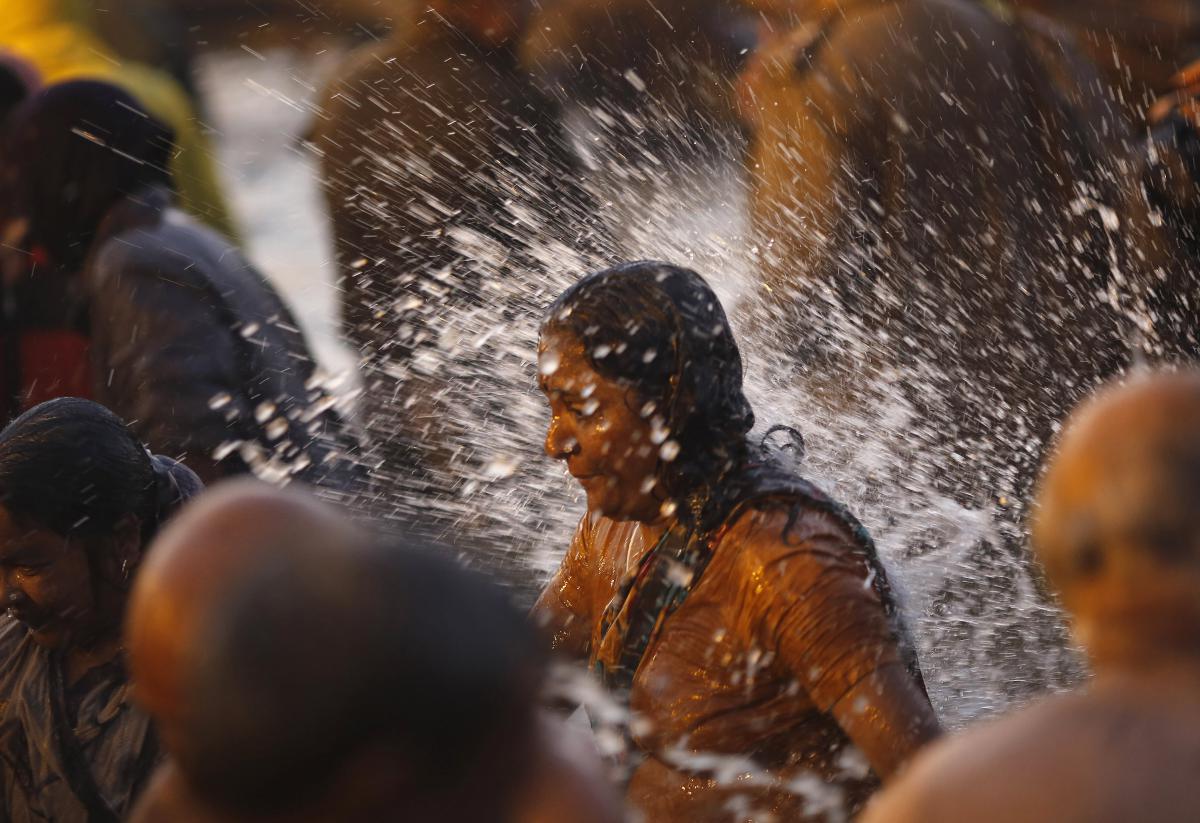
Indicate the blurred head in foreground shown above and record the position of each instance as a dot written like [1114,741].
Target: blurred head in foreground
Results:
[1118,522]
[1117,529]
[307,673]
[196,563]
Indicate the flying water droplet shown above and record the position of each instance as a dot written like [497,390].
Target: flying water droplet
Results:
[548,363]
[669,451]
[225,449]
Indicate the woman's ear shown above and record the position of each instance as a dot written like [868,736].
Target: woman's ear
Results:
[125,552]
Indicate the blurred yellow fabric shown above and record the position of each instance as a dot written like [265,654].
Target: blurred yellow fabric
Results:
[57,37]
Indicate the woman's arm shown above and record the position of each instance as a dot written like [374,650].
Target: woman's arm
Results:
[888,716]
[563,609]
[827,623]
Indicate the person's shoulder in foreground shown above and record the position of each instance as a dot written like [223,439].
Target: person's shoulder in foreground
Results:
[1116,529]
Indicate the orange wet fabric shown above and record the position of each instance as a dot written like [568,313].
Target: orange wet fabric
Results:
[775,634]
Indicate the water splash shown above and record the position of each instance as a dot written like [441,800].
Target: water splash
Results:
[987,635]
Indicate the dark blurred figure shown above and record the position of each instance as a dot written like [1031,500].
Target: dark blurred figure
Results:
[18,80]
[80,500]
[670,64]
[930,172]
[446,173]
[950,227]
[152,33]
[425,136]
[61,39]
[174,329]
[1140,50]
[299,674]
[1172,158]
[1138,45]
[1118,530]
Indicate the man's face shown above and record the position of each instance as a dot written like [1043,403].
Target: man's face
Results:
[45,583]
[598,428]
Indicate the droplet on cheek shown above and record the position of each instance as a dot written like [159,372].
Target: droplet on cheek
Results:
[648,484]
[588,391]
[669,451]
[591,407]
[548,362]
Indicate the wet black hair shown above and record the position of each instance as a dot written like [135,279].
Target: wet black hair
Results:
[322,652]
[660,330]
[73,150]
[74,467]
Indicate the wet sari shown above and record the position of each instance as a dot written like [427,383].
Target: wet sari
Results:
[732,645]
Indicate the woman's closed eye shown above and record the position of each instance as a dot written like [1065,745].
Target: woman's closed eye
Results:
[584,408]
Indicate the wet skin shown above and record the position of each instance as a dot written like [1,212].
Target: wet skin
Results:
[597,428]
[48,584]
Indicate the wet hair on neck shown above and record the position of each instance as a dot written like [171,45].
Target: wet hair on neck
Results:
[75,468]
[660,331]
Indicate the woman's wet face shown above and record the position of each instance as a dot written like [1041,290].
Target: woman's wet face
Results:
[45,582]
[599,428]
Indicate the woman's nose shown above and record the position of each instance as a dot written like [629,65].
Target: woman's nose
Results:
[560,444]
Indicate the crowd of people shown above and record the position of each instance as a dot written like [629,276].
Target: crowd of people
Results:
[963,175]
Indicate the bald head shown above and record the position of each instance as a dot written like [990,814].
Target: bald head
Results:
[1118,519]
[192,566]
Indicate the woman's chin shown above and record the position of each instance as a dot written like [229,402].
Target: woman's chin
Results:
[641,510]
[606,504]
[48,638]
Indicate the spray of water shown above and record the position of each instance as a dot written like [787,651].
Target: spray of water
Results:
[464,387]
